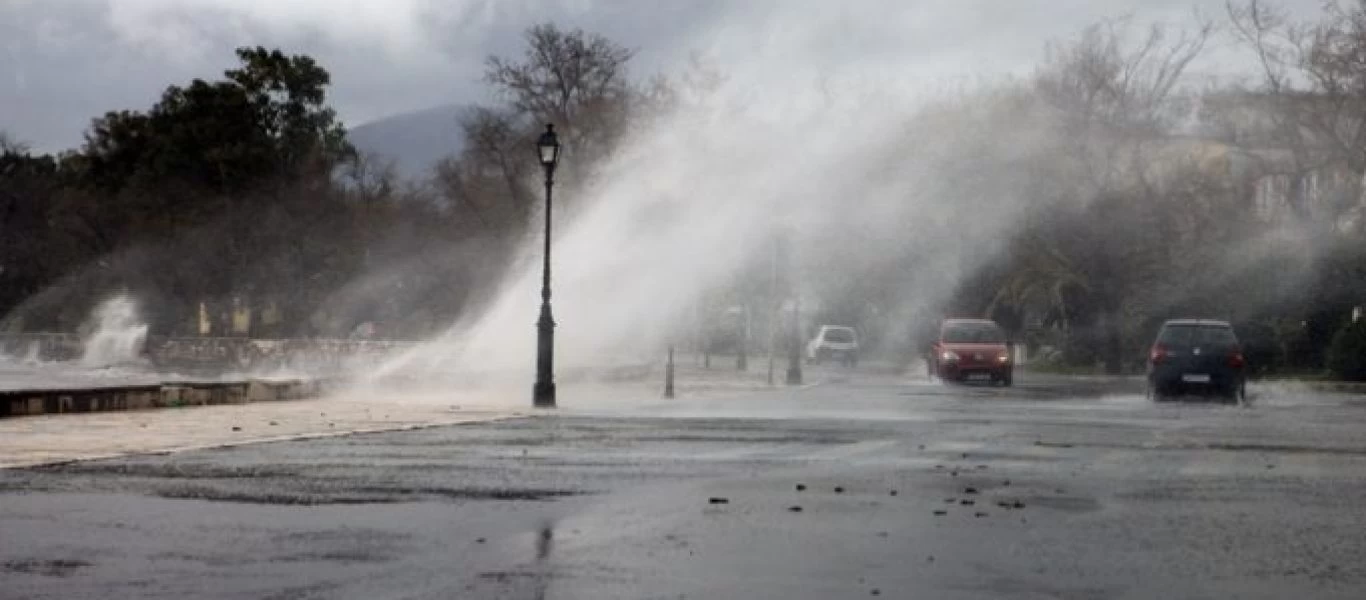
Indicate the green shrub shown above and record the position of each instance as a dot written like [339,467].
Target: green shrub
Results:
[1347,353]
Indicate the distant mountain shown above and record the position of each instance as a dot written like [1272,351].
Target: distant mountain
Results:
[415,141]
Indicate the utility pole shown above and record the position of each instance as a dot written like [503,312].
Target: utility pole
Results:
[773,309]
[794,356]
[669,375]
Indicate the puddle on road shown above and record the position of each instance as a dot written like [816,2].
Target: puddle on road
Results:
[60,567]
[360,495]
[545,542]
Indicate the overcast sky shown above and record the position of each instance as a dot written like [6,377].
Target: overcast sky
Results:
[63,62]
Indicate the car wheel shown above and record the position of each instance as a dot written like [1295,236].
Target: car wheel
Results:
[1232,397]
[1235,393]
[1157,394]
[1008,379]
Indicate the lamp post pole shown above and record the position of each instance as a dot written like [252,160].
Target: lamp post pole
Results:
[794,356]
[669,375]
[543,394]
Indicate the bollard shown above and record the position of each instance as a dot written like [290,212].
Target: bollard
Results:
[669,375]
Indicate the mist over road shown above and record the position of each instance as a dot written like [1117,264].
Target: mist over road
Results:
[862,485]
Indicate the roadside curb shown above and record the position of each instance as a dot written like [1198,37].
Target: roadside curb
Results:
[473,418]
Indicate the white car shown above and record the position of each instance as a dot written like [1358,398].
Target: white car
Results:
[833,343]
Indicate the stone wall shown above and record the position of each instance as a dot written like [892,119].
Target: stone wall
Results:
[41,346]
[315,356]
[217,354]
[19,403]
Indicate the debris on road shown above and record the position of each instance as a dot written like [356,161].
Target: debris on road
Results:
[801,487]
[718,500]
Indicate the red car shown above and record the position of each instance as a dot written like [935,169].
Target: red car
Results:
[971,350]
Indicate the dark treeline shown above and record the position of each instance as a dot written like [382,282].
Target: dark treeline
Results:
[1149,197]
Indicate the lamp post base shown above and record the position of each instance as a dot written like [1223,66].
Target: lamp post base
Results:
[543,395]
[794,377]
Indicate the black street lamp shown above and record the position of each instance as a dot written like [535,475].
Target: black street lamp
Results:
[543,395]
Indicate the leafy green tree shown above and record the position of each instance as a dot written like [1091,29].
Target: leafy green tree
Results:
[267,122]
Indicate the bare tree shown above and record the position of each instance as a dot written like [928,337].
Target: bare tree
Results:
[1113,96]
[573,79]
[1313,91]
[10,145]
[491,179]
[1115,99]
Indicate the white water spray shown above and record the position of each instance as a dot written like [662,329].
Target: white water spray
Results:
[117,334]
[841,155]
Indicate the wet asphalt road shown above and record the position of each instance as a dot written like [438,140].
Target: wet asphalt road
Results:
[863,486]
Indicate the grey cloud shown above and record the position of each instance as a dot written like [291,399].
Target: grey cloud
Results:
[65,62]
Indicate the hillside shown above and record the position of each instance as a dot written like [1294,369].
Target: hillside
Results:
[415,141]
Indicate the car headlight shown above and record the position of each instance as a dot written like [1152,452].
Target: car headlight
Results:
[1003,358]
[948,356]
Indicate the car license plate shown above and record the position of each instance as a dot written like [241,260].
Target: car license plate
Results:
[979,376]
[1195,378]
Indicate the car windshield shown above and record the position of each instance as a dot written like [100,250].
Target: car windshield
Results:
[974,333]
[839,335]
[1196,335]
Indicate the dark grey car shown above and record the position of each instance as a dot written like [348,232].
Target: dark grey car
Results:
[1196,355]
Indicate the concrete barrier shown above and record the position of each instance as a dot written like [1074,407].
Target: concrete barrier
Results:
[19,403]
